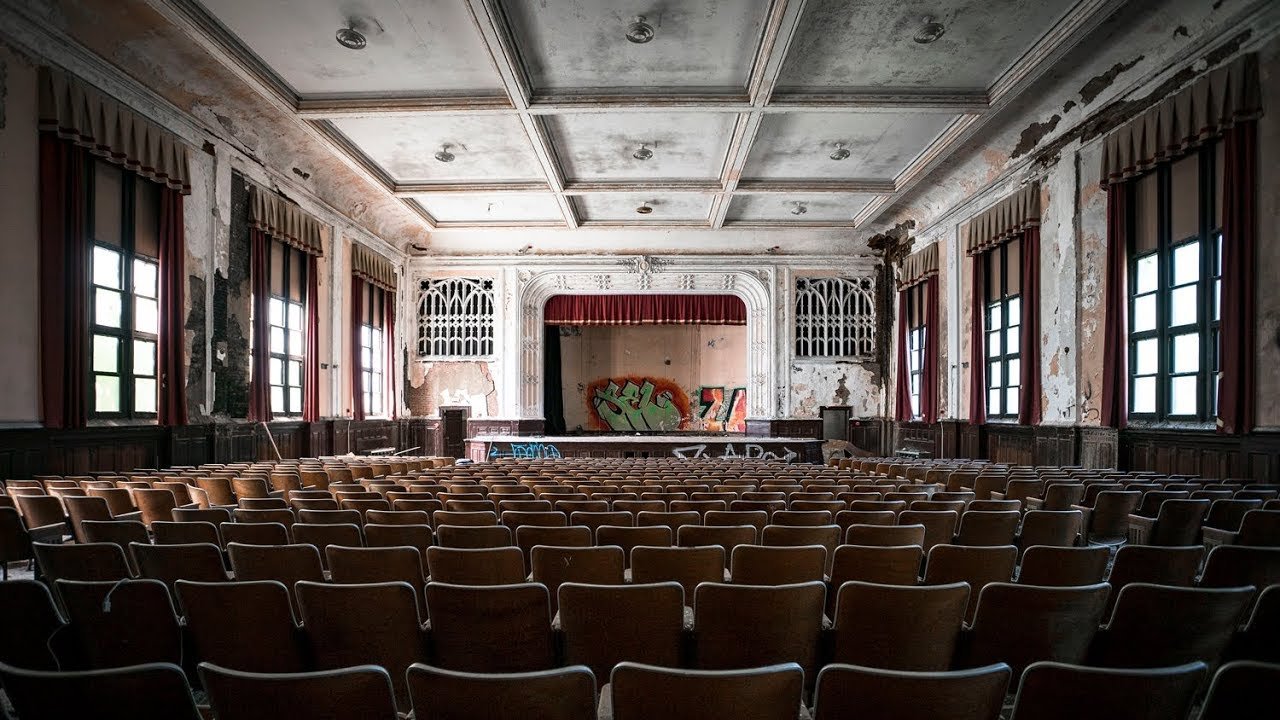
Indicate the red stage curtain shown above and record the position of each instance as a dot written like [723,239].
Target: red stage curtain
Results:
[1115,341]
[171,355]
[311,363]
[645,310]
[389,343]
[977,345]
[1236,385]
[929,378]
[63,284]
[260,386]
[1029,337]
[902,396]
[357,377]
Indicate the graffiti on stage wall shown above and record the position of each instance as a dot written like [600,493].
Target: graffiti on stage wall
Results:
[722,409]
[637,403]
[527,451]
[750,451]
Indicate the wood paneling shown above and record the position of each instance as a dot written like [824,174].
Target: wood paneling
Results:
[1099,447]
[1205,453]
[792,428]
[869,435]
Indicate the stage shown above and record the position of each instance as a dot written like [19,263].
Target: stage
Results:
[691,445]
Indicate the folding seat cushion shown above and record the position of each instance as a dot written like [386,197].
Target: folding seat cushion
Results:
[868,693]
[362,692]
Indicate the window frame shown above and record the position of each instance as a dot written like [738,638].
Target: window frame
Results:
[451,321]
[373,375]
[1009,309]
[916,339]
[834,318]
[286,357]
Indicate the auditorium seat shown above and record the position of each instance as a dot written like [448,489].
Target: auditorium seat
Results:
[1059,691]
[44,517]
[761,565]
[1063,566]
[644,692]
[527,536]
[1239,565]
[746,626]
[15,543]
[885,535]
[321,536]
[83,562]
[1058,496]
[242,625]
[987,528]
[688,566]
[120,623]
[603,625]
[755,518]
[939,525]
[185,533]
[28,621]
[1107,522]
[889,565]
[473,536]
[898,627]
[287,564]
[1259,528]
[567,693]
[499,628]
[670,520]
[362,692]
[1023,624]
[866,693]
[262,503]
[1055,528]
[848,518]
[284,516]
[1160,625]
[553,566]
[487,566]
[253,533]
[154,691]
[464,519]
[397,517]
[977,566]
[1242,690]
[215,516]
[1176,523]
[630,537]
[198,562]
[455,505]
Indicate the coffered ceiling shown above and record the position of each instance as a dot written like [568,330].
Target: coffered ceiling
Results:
[739,105]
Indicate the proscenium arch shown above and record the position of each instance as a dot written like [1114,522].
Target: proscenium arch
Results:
[753,287]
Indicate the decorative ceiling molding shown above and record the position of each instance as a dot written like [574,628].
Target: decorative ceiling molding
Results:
[941,100]
[403,190]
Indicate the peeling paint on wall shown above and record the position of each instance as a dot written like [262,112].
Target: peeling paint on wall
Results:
[433,385]
[814,385]
[1102,81]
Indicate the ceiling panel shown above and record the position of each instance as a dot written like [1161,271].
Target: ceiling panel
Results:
[582,43]
[869,44]
[414,46]
[601,146]
[781,208]
[621,207]
[498,207]
[880,145]
[485,147]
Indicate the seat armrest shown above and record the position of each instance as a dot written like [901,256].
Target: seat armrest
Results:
[1140,529]
[1214,537]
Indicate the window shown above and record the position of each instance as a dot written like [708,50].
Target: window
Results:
[1003,268]
[835,318]
[286,326]
[915,344]
[1175,285]
[124,230]
[373,352]
[455,318]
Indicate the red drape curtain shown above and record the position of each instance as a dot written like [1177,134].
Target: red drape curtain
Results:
[260,387]
[63,284]
[1029,338]
[171,356]
[389,343]
[977,345]
[311,364]
[902,396]
[929,378]
[1236,384]
[357,377]
[645,310]
[1115,344]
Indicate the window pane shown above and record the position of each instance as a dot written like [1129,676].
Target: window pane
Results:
[275,368]
[915,384]
[106,393]
[366,358]
[994,319]
[295,316]
[1015,368]
[1146,212]
[277,398]
[993,401]
[1144,395]
[275,312]
[995,374]
[1148,359]
[1015,311]
[1184,206]
[1013,268]
[106,308]
[144,357]
[995,260]
[1217,299]
[295,400]
[295,373]
[1144,313]
[1186,353]
[144,395]
[366,335]
[296,346]
[277,340]
[106,267]
[1186,263]
[1182,395]
[106,354]
[146,219]
[1011,395]
[1148,274]
[108,191]
[277,251]
[1012,337]
[1183,310]
[144,278]
[145,316]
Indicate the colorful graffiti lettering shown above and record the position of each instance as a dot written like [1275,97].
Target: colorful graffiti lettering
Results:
[634,403]
[720,415]
[527,451]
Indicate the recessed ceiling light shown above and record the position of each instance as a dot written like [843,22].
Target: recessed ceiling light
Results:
[644,209]
[643,153]
[841,152]
[929,31]
[800,208]
[444,155]
[351,38]
[639,31]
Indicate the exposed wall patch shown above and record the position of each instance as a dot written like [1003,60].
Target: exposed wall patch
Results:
[1098,83]
[1033,134]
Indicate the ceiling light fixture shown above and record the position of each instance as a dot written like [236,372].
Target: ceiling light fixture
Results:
[444,155]
[639,31]
[841,152]
[644,208]
[929,31]
[643,153]
[351,38]
[800,208]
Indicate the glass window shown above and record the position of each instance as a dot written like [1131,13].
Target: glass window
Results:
[373,378]
[916,330]
[1002,266]
[286,328]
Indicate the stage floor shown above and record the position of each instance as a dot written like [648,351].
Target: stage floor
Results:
[690,445]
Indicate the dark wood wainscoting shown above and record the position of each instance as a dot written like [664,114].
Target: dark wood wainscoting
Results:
[785,428]
[1203,453]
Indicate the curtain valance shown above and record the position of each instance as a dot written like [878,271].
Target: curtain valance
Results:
[1004,221]
[1199,112]
[284,221]
[78,112]
[918,267]
[645,310]
[372,268]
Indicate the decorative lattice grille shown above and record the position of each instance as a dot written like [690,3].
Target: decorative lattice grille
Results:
[835,318]
[455,318]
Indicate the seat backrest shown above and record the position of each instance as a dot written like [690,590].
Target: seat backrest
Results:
[465,519]
[726,536]
[1260,528]
[527,536]
[86,562]
[760,565]
[1238,565]
[1109,521]
[185,533]
[567,693]
[473,536]
[1179,522]
[127,622]
[1063,566]
[1239,689]
[287,564]
[644,692]
[630,537]
[497,628]
[199,562]
[898,565]
[323,535]
[1022,624]
[846,691]
[552,566]
[1058,528]
[783,622]
[987,527]
[486,566]
[365,691]
[259,635]
[1162,625]
[939,525]
[603,625]
[1059,691]
[977,566]
[1151,564]
[899,627]
[1227,514]
[254,533]
[28,620]
[685,565]
[885,535]
[153,691]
